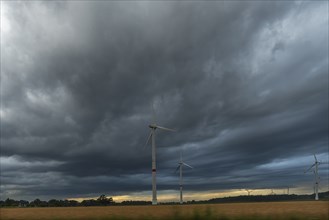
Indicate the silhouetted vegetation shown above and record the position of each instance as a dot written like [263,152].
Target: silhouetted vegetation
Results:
[131,202]
[101,201]
[268,198]
[108,201]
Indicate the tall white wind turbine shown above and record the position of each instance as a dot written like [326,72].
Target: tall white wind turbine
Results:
[180,167]
[316,176]
[153,127]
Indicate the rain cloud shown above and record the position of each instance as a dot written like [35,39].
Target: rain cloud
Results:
[244,83]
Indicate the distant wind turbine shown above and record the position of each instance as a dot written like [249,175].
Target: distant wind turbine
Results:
[316,176]
[180,167]
[153,127]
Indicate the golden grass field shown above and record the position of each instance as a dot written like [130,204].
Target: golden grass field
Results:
[265,210]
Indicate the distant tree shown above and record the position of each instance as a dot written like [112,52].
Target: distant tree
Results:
[103,200]
[102,197]
[38,203]
[55,203]
[11,202]
[23,203]
[89,202]
[35,203]
[71,203]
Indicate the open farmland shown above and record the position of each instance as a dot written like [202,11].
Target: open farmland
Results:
[268,210]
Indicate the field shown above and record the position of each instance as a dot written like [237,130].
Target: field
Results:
[266,210]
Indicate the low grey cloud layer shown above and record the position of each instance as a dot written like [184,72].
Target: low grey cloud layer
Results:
[244,83]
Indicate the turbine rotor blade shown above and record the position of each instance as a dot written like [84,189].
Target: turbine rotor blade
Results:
[166,129]
[316,160]
[187,165]
[148,139]
[177,168]
[153,114]
[309,168]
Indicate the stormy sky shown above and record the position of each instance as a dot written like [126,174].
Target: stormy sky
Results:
[245,84]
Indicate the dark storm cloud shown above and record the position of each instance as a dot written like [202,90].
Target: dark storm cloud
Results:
[245,85]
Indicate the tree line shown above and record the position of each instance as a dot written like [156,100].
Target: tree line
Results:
[263,198]
[108,201]
[101,201]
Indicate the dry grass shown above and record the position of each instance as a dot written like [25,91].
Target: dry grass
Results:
[266,210]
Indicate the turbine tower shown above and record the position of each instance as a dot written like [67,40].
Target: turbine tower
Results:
[153,127]
[180,167]
[316,176]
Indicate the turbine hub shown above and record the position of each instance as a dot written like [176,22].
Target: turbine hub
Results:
[153,126]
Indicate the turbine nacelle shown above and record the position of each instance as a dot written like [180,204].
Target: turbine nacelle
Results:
[181,164]
[153,126]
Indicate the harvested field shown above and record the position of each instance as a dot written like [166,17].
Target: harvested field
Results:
[268,210]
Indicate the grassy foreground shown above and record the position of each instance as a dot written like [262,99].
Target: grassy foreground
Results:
[267,210]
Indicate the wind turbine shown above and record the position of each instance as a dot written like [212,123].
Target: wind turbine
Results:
[153,127]
[316,183]
[180,167]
